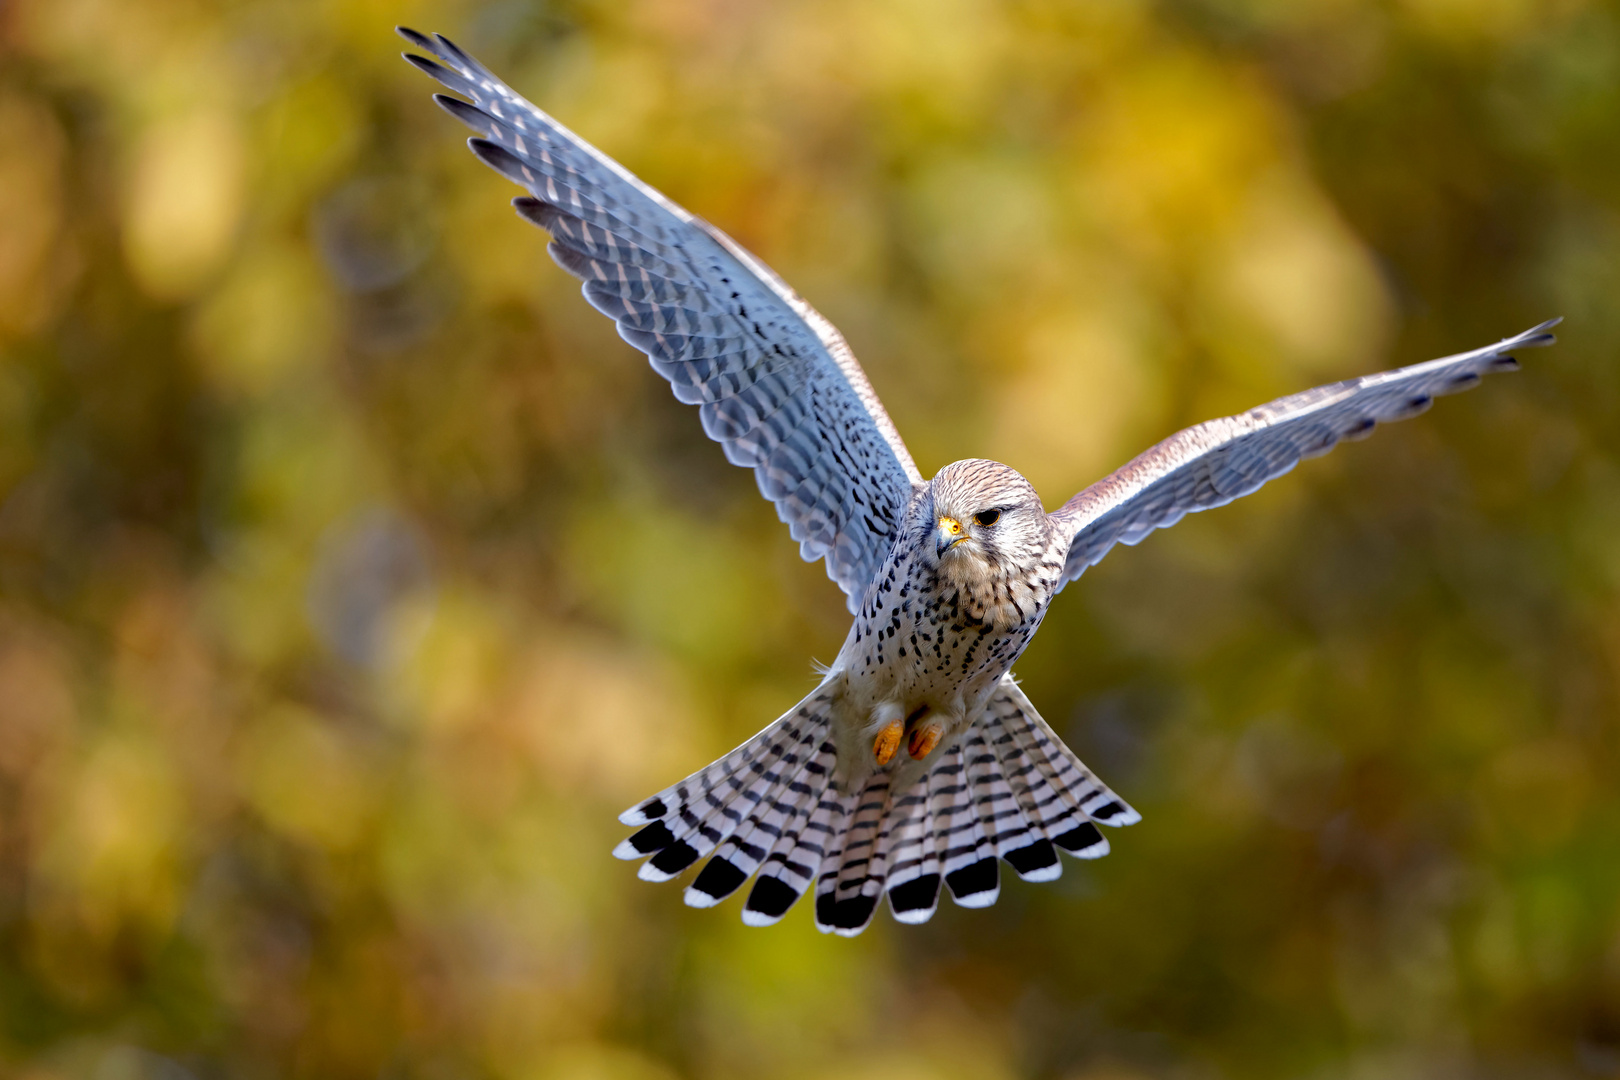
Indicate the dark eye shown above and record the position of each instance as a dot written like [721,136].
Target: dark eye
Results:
[987,517]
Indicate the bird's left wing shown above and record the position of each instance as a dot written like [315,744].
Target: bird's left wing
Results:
[777,386]
[1215,462]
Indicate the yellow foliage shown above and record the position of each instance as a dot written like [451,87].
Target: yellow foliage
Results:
[355,575]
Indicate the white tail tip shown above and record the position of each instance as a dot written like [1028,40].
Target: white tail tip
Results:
[698,898]
[649,872]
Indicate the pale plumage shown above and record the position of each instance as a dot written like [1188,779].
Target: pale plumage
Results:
[948,579]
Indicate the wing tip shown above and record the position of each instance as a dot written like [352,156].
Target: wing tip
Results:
[457,108]
[415,37]
[488,152]
[1546,326]
[1538,336]
[536,212]
[453,66]
[428,67]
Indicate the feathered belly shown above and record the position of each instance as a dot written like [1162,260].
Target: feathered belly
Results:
[931,647]
[908,657]
[920,674]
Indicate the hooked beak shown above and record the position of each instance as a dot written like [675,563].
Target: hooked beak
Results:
[948,535]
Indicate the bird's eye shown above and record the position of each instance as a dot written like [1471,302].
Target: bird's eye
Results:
[987,517]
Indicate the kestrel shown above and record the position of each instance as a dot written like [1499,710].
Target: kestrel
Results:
[917,761]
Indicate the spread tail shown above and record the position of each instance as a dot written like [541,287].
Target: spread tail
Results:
[1009,790]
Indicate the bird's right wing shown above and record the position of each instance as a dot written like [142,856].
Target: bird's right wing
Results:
[777,386]
[1215,462]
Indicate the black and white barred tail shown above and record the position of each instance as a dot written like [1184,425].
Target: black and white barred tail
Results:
[1008,791]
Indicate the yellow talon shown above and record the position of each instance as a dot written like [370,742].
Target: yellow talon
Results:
[924,738]
[887,742]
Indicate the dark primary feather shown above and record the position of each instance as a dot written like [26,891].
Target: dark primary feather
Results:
[1215,462]
[775,384]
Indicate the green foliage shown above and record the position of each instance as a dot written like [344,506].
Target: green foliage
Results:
[354,574]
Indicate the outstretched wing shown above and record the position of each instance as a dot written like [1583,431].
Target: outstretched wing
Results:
[1215,462]
[777,386]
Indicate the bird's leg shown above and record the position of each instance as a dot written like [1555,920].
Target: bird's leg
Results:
[887,741]
[926,731]
[924,739]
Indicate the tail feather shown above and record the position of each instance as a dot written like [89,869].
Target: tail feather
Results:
[899,840]
[967,857]
[1050,814]
[773,820]
[914,876]
[708,807]
[1075,786]
[1017,841]
[757,793]
[847,891]
[792,866]
[1077,782]
[677,800]
[1077,833]
[1008,790]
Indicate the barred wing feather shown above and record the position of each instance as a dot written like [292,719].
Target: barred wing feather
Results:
[1215,462]
[775,383]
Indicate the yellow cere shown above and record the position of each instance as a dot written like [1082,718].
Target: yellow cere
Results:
[295,709]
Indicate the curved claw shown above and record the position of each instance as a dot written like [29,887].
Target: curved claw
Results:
[924,738]
[887,742]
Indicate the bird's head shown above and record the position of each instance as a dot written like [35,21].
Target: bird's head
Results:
[987,519]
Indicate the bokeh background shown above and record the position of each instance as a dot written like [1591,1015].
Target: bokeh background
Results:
[354,574]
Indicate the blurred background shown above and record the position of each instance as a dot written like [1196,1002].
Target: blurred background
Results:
[354,574]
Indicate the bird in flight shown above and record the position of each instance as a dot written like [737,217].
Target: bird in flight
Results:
[917,763]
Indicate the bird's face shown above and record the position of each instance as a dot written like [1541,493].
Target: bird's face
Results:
[986,517]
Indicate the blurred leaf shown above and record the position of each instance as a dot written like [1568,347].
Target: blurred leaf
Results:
[354,574]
